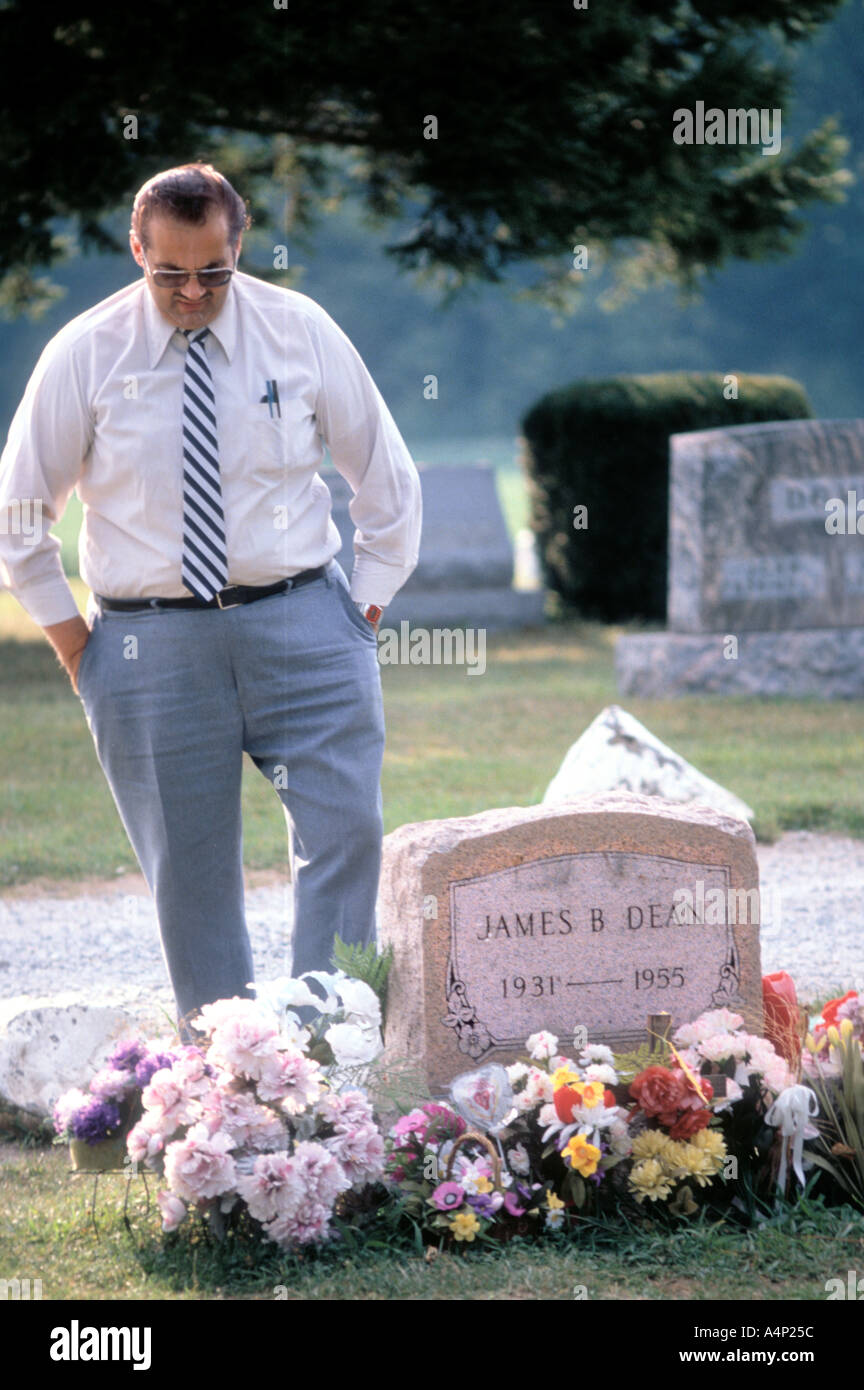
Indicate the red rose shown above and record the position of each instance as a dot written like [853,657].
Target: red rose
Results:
[658,1091]
[689,1122]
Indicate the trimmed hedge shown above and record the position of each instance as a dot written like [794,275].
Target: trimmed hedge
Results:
[604,444]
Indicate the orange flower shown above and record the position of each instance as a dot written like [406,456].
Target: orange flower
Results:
[829,1013]
[782,1017]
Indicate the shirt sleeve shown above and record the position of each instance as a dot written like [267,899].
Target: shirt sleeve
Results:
[49,439]
[369,452]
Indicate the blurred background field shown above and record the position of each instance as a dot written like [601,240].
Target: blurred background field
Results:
[457,744]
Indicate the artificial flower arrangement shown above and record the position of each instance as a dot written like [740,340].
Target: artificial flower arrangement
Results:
[554,1132]
[112,1103]
[247,1119]
[534,1146]
[268,1117]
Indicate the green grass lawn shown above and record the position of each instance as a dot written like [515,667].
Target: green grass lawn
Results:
[457,744]
[48,1234]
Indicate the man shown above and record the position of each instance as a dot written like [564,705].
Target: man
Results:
[188,410]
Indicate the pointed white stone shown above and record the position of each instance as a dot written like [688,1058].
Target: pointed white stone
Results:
[617,751]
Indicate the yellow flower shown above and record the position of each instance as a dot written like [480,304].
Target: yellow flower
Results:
[591,1093]
[709,1139]
[553,1201]
[695,1163]
[713,1144]
[670,1157]
[833,1036]
[464,1225]
[581,1155]
[649,1180]
[563,1076]
[483,1184]
[846,1029]
[651,1143]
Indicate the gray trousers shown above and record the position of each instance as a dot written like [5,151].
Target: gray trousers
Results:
[174,698]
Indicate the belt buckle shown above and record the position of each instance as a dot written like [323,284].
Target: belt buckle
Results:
[222,605]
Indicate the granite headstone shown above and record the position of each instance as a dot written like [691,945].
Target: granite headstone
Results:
[593,913]
[765,597]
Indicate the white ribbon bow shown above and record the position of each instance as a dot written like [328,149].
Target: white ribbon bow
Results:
[791,1113]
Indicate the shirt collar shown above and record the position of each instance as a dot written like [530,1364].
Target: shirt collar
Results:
[159,332]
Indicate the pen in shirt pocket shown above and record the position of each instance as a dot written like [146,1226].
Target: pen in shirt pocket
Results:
[271,398]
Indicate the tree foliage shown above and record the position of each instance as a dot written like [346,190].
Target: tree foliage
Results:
[554,125]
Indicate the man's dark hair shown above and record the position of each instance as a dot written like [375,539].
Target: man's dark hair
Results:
[189,193]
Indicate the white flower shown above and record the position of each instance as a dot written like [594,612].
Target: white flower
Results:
[706,1025]
[546,1114]
[542,1045]
[691,1057]
[518,1159]
[555,1218]
[597,1052]
[598,1071]
[360,1002]
[719,1046]
[538,1088]
[329,983]
[470,1172]
[287,993]
[619,1138]
[517,1073]
[351,1045]
[777,1077]
[293,1033]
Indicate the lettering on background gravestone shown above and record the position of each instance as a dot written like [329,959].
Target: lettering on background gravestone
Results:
[748,546]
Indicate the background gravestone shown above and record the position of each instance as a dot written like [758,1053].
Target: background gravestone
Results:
[465,572]
[750,558]
[551,917]
[616,751]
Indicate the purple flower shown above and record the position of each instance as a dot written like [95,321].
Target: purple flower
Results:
[127,1055]
[95,1121]
[149,1063]
[514,1200]
[485,1203]
[511,1204]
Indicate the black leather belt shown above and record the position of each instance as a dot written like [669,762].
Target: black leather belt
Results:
[228,598]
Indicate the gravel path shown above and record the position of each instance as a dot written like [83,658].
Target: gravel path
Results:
[105,946]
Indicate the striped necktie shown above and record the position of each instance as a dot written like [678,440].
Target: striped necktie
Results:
[205,563]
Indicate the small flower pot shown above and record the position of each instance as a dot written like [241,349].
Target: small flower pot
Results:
[106,1156]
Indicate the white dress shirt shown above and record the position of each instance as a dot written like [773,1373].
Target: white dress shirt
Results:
[102,415]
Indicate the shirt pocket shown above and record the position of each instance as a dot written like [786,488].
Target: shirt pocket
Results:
[279,441]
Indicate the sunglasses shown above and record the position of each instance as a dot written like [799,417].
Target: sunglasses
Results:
[175,279]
